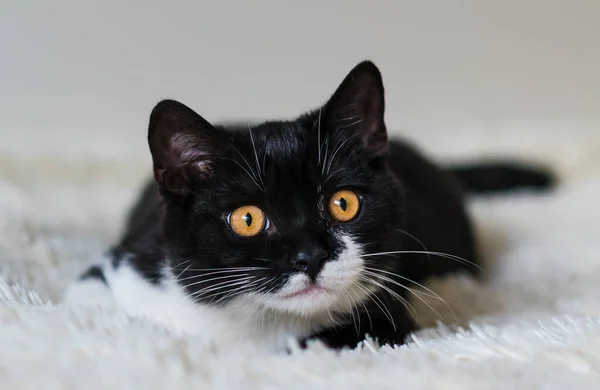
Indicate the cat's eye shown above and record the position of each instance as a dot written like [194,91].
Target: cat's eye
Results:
[344,205]
[248,221]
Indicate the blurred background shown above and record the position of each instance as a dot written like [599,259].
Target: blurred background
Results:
[82,76]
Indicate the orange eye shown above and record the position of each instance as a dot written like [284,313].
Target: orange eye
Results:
[248,221]
[344,205]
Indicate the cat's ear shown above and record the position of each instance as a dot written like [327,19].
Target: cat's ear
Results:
[182,144]
[358,106]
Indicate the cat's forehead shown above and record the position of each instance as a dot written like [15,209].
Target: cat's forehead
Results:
[288,155]
[279,140]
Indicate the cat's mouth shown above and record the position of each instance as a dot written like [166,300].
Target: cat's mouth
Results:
[311,289]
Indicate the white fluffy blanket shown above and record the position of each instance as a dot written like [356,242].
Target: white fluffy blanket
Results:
[535,323]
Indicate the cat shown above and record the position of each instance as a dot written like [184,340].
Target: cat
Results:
[311,228]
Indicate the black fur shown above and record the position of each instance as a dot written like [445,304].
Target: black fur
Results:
[202,172]
[94,272]
[502,176]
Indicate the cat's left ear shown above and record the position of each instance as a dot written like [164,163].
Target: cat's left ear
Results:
[358,106]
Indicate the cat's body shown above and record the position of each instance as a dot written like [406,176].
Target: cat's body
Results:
[337,224]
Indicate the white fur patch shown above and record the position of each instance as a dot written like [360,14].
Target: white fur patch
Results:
[89,292]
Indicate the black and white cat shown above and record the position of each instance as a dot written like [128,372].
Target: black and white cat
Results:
[315,227]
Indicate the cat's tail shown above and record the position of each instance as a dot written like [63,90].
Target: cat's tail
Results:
[495,177]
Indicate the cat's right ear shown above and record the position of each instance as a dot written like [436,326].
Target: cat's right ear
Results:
[182,144]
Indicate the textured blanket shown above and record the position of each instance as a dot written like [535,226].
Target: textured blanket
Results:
[533,322]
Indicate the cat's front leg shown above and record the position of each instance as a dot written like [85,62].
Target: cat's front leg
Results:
[381,329]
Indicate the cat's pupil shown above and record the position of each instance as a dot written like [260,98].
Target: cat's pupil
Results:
[343,204]
[248,219]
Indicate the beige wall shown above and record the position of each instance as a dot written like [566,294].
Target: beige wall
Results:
[69,68]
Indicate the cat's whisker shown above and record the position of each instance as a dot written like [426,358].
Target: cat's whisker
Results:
[332,174]
[332,319]
[264,162]
[269,280]
[326,142]
[354,283]
[394,294]
[248,288]
[417,240]
[416,295]
[182,272]
[255,303]
[351,305]
[178,265]
[226,269]
[336,150]
[253,175]
[238,290]
[440,254]
[432,294]
[203,275]
[166,268]
[356,122]
[220,286]
[213,279]
[256,157]
[262,259]
[245,170]
[319,136]
[383,308]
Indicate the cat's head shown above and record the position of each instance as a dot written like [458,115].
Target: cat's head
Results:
[286,214]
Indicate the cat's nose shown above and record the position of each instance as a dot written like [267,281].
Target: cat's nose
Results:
[311,260]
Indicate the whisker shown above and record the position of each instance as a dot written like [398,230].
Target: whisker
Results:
[262,259]
[416,295]
[319,136]
[239,290]
[432,294]
[178,265]
[269,280]
[364,306]
[440,254]
[394,294]
[245,160]
[226,271]
[245,170]
[332,174]
[336,150]
[256,156]
[264,161]
[220,286]
[417,240]
[182,272]
[326,142]
[354,123]
[212,279]
[250,287]
[333,321]
[383,309]
[352,305]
